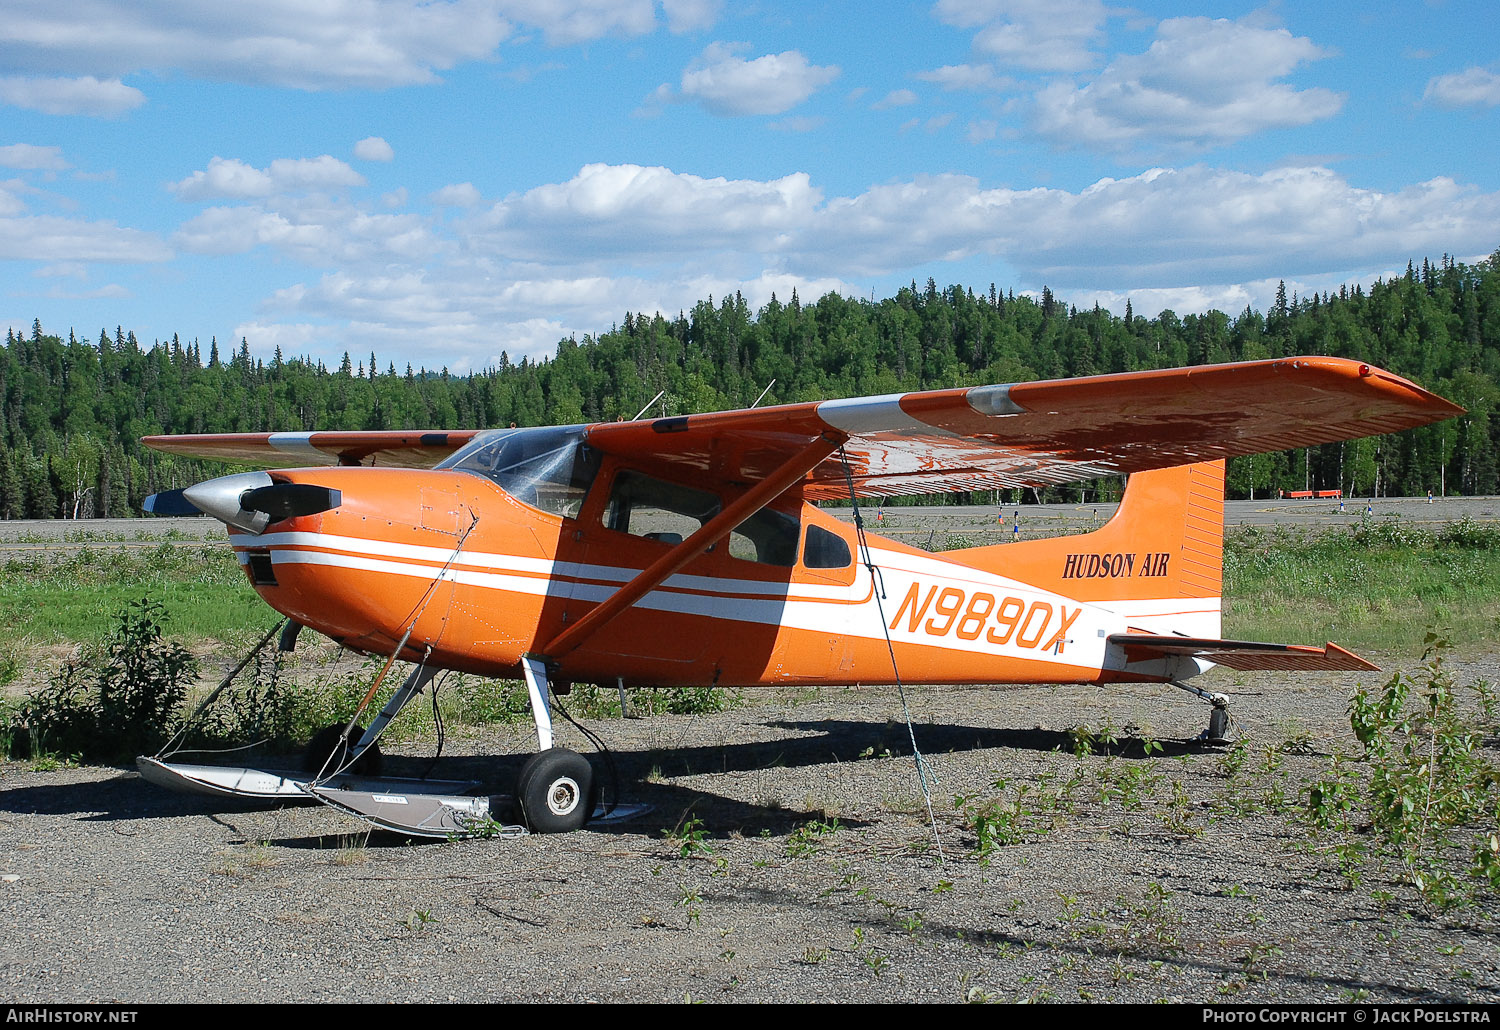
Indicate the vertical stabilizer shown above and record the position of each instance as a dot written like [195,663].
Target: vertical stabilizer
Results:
[1159,561]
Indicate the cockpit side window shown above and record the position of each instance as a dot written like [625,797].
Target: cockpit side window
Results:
[653,508]
[548,468]
[671,512]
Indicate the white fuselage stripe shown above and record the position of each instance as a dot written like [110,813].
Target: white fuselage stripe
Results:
[842,610]
[425,561]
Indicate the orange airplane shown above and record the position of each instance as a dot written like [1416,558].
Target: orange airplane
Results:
[690,551]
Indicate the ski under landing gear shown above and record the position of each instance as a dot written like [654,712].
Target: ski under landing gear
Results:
[557,790]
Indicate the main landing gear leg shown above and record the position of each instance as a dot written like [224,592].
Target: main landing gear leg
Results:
[555,791]
[1219,722]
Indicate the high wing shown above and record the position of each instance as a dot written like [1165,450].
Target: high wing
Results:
[405,448]
[943,441]
[1040,433]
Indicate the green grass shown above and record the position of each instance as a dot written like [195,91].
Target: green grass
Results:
[1378,586]
[71,598]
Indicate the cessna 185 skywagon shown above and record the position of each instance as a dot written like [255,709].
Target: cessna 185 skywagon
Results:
[690,551]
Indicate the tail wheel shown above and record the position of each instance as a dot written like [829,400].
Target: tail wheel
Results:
[1218,726]
[315,757]
[555,791]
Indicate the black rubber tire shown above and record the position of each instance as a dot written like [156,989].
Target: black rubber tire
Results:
[315,755]
[1218,726]
[555,791]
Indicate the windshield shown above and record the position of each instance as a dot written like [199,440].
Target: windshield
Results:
[548,468]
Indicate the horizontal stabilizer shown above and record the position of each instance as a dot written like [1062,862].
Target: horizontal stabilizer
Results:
[1246,655]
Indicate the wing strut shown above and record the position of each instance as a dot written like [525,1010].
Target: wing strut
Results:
[757,497]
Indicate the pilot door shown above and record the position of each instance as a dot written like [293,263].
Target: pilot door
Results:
[638,519]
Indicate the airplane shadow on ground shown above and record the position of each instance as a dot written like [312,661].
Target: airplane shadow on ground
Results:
[634,776]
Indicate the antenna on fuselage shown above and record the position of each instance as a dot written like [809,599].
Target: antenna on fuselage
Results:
[647,408]
[764,392]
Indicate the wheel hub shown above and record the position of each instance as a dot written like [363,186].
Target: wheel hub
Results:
[563,795]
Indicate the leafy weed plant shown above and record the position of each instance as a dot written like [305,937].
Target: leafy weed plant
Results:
[808,838]
[1423,784]
[107,704]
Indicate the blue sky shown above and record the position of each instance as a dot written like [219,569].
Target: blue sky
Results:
[442,181]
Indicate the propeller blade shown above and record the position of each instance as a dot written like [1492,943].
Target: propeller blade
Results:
[253,500]
[170,502]
[289,500]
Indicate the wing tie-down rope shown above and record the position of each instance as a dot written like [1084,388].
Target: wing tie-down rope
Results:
[173,745]
[416,616]
[877,585]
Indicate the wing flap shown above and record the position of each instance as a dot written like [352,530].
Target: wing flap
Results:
[1245,655]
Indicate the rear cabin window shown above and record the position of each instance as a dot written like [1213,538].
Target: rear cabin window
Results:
[768,537]
[825,550]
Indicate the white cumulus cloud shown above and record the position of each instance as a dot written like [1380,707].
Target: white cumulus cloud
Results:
[358,43]
[83,95]
[1201,83]
[895,98]
[691,15]
[644,213]
[462,194]
[568,258]
[10,197]
[531,253]
[973,77]
[564,22]
[373,148]
[1042,35]
[316,234]
[727,84]
[1163,227]
[330,44]
[234,179]
[50,238]
[1472,87]
[32,158]
[224,177]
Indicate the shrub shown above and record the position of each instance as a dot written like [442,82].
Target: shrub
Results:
[111,703]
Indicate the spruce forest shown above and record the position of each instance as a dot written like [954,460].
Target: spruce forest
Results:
[72,411]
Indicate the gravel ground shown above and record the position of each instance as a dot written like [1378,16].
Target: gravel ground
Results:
[816,877]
